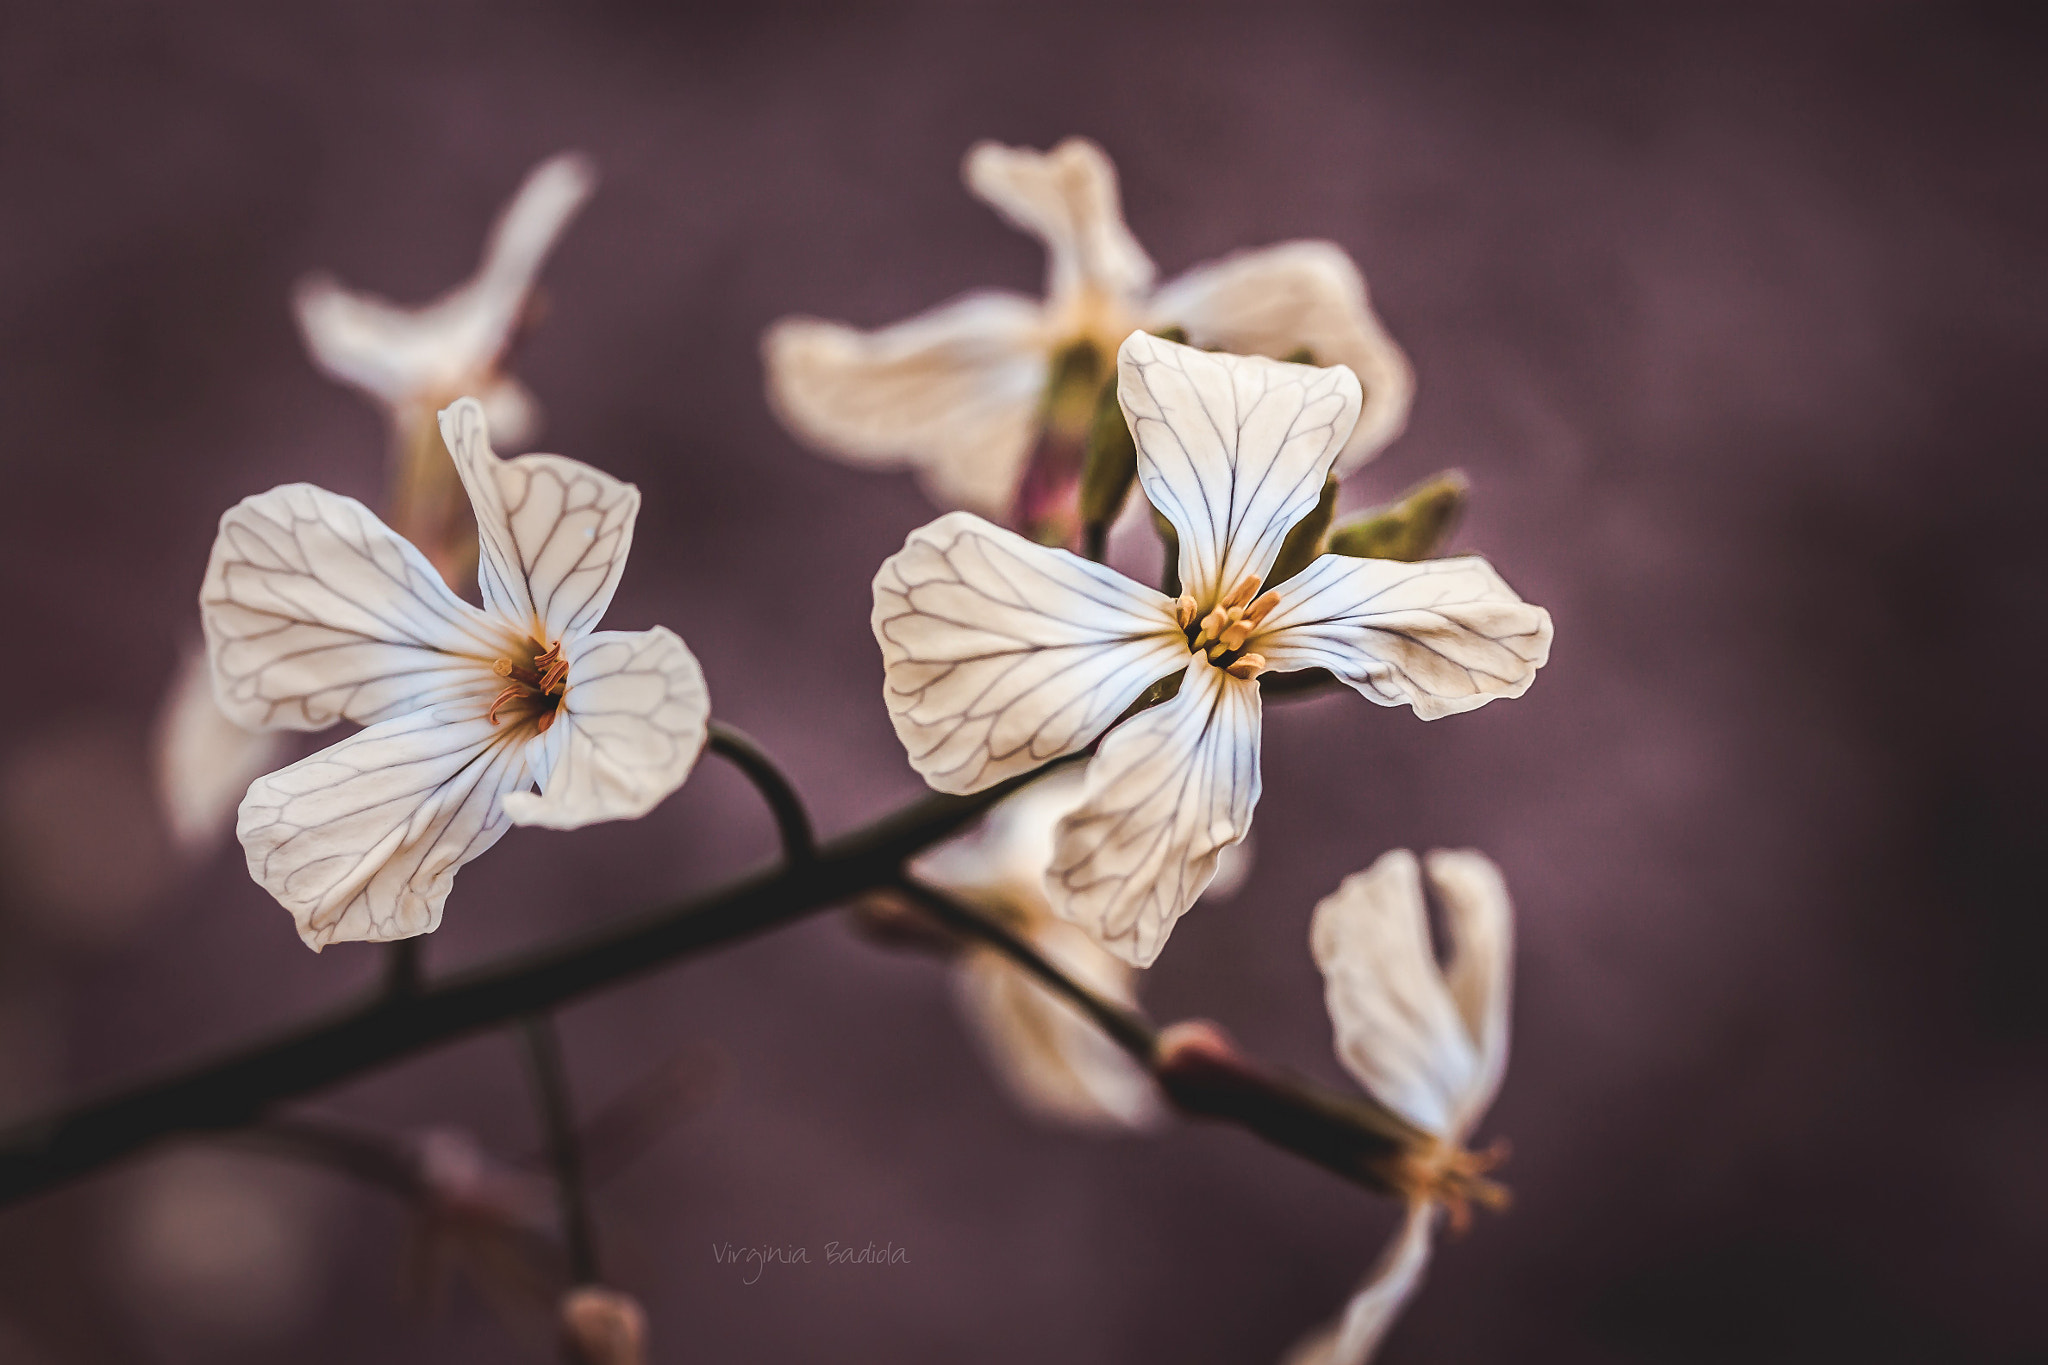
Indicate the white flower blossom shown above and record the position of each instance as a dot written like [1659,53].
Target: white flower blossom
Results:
[315,612]
[1000,655]
[415,360]
[1060,1066]
[1429,1041]
[958,393]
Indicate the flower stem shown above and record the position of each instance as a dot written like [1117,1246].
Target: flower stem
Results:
[792,821]
[565,1150]
[237,1089]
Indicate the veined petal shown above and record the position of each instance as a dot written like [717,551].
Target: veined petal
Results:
[1169,790]
[204,761]
[1398,1028]
[631,726]
[316,611]
[1352,1339]
[552,533]
[1067,198]
[1233,450]
[1058,1064]
[1277,299]
[1479,965]
[1441,635]
[362,840]
[400,354]
[953,392]
[999,655]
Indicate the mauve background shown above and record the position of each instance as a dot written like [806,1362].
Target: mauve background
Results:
[1731,315]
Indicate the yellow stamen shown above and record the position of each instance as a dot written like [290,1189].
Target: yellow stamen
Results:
[1247,666]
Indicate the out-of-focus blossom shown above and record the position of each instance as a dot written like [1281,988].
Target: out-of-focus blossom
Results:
[315,611]
[603,1326]
[492,1221]
[415,361]
[204,761]
[1059,1065]
[964,393]
[1429,1040]
[222,1250]
[1000,655]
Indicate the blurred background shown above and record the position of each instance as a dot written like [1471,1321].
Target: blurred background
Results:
[1729,313]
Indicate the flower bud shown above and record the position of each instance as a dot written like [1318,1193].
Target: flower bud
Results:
[603,1326]
[1305,541]
[1408,530]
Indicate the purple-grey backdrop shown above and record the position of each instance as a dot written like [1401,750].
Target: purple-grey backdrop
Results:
[1730,315]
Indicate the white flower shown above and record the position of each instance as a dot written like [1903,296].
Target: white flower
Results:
[958,393]
[1059,1065]
[1000,655]
[1429,1041]
[315,611]
[415,360]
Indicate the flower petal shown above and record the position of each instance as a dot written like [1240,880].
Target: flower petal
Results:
[1233,450]
[1398,1028]
[1277,299]
[1067,198]
[632,724]
[999,655]
[1479,924]
[361,841]
[204,761]
[552,533]
[1169,790]
[1352,1339]
[953,392]
[316,611]
[1058,1064]
[406,354]
[1441,635]
[1001,862]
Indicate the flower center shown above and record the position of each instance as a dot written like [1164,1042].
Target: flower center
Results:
[1222,632]
[536,683]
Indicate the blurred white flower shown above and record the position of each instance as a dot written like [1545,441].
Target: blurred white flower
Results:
[961,393]
[204,761]
[1000,655]
[315,611]
[416,360]
[1058,1064]
[1429,1041]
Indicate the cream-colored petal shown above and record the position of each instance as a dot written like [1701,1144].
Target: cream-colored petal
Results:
[1442,635]
[1398,1029]
[1479,924]
[552,533]
[1067,198]
[362,840]
[1002,861]
[316,611]
[999,655]
[400,354]
[1169,790]
[1352,1338]
[204,761]
[631,726]
[954,393]
[1052,1058]
[1233,450]
[1273,301]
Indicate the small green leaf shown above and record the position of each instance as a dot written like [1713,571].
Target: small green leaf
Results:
[1410,529]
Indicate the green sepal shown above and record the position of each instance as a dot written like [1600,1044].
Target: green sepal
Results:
[1305,541]
[1407,530]
[1109,463]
